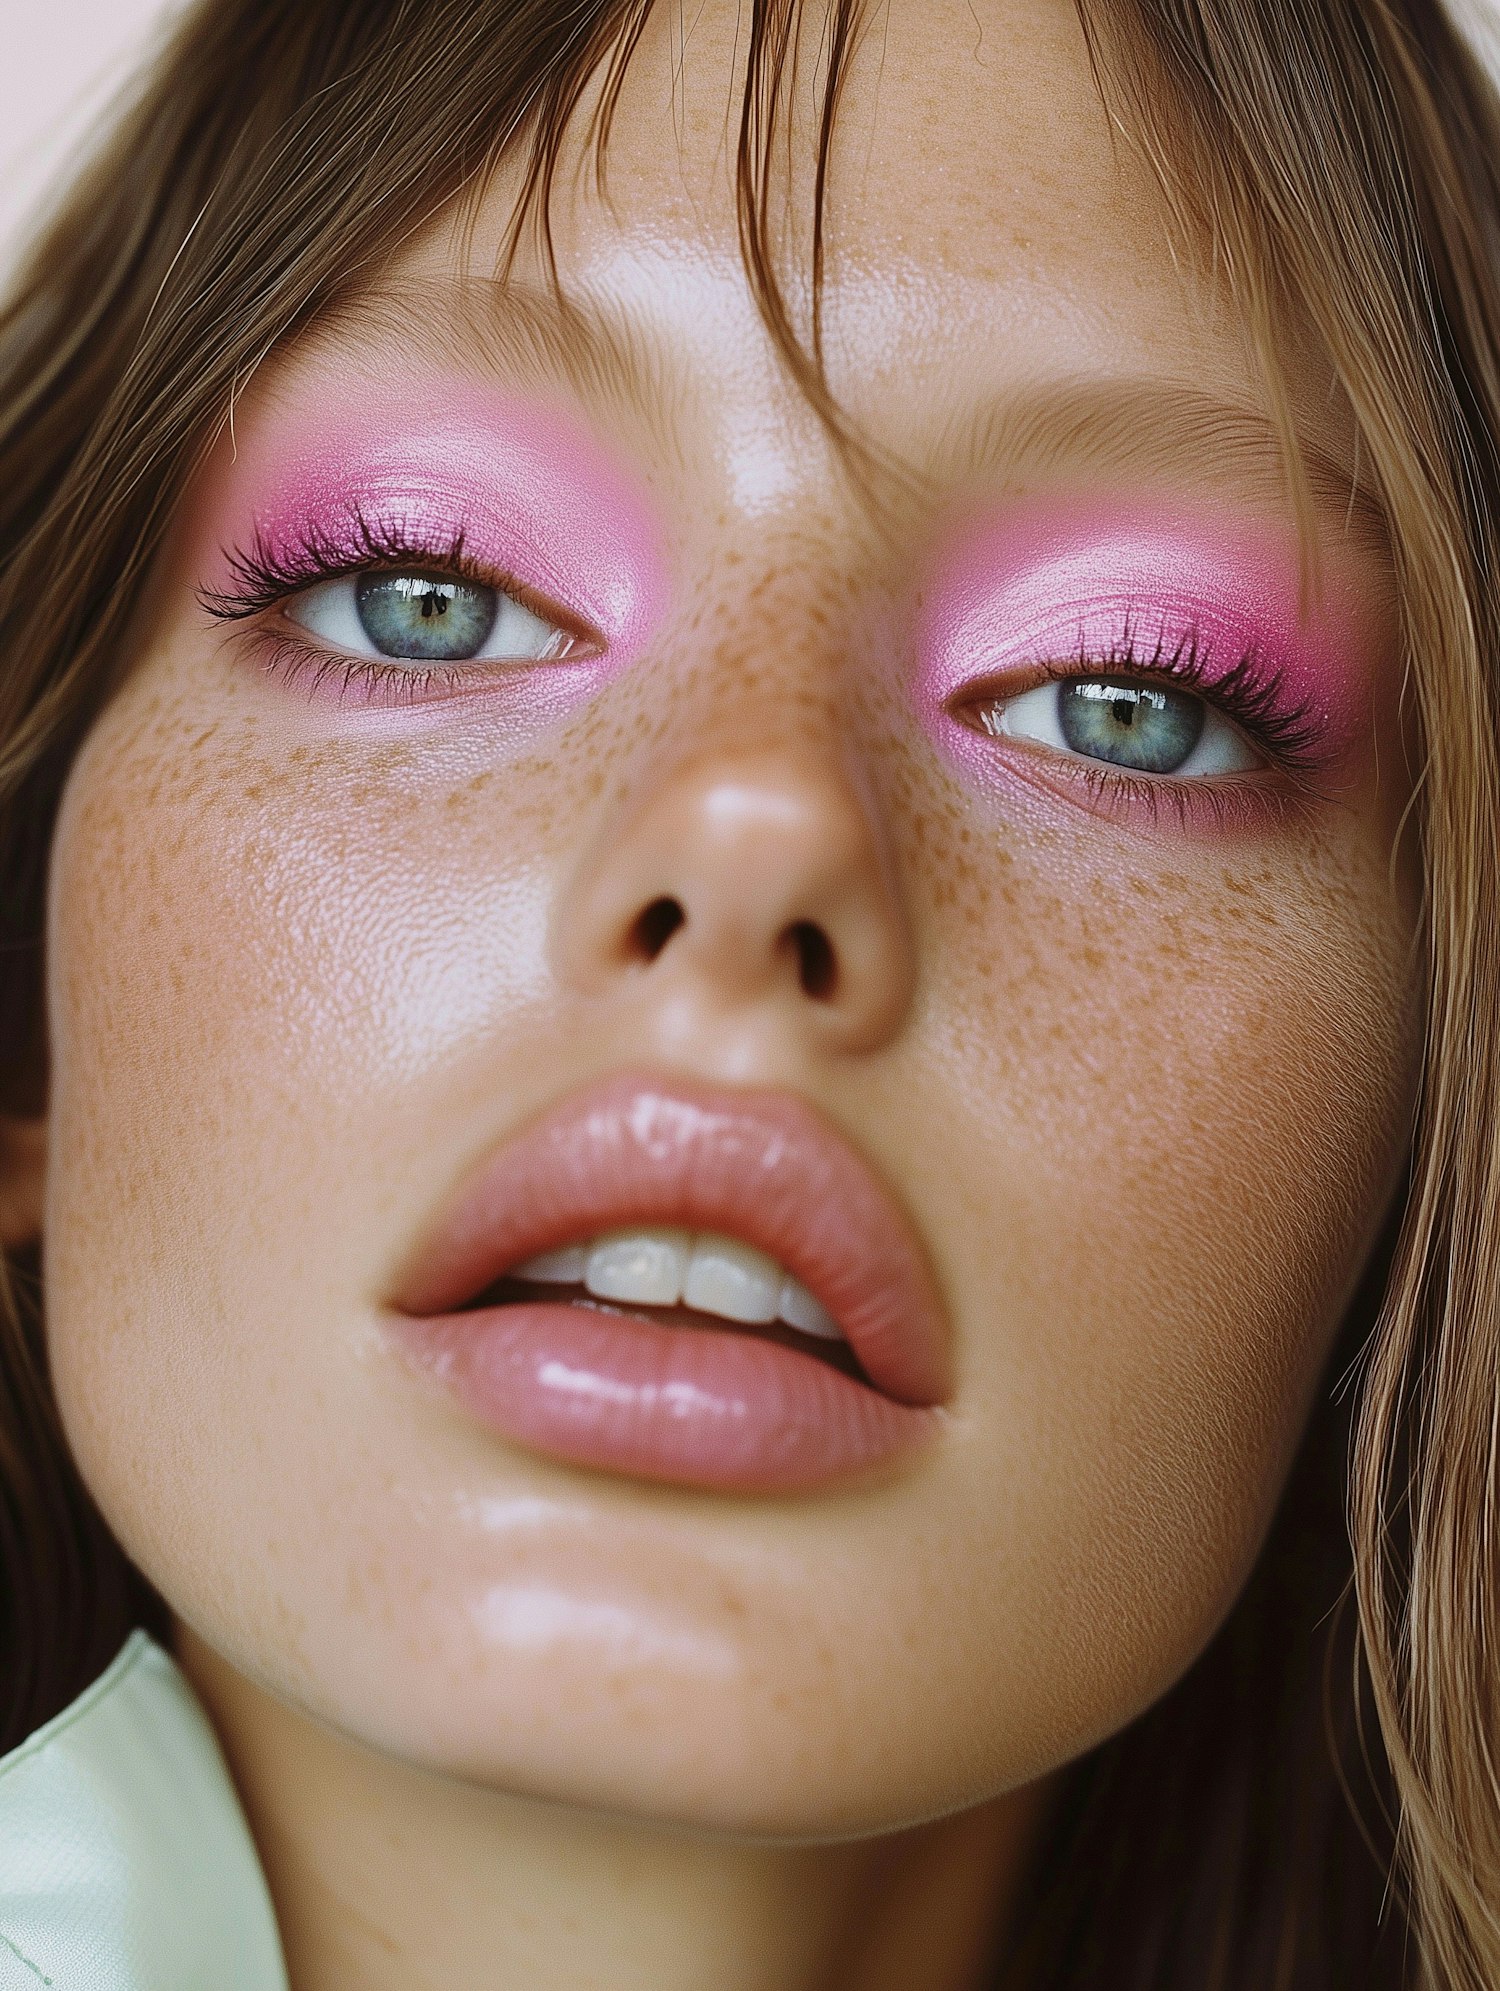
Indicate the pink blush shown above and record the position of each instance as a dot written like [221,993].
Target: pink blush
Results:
[531,495]
[1070,584]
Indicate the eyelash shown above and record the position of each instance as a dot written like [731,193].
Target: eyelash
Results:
[262,577]
[1247,694]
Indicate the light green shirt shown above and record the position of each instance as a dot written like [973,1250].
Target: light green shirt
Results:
[125,1860]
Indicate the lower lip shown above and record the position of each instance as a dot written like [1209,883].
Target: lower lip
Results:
[687,1405]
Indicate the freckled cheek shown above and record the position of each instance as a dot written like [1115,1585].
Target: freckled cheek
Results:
[267,971]
[1176,1095]
[261,962]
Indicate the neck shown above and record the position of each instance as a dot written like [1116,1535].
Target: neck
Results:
[384,1875]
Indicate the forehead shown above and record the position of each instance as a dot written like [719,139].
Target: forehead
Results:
[967,133]
[996,244]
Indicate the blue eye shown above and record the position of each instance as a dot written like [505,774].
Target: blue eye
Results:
[1141,727]
[1147,727]
[421,615]
[416,617]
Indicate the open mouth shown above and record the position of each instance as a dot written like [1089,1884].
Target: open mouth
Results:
[695,1280]
[683,1283]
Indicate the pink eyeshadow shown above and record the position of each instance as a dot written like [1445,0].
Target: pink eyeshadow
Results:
[1061,583]
[528,490]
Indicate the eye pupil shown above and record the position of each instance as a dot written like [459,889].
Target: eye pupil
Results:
[426,617]
[1151,728]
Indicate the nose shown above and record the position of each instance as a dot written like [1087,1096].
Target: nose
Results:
[749,880]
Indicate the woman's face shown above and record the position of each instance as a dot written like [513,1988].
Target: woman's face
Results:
[1003,848]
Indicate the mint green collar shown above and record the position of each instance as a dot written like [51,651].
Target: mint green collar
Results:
[125,1861]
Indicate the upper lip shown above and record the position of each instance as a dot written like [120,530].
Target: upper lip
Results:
[759,1165]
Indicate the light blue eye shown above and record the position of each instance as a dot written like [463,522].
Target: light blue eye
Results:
[1145,726]
[419,615]
[1142,727]
[411,616]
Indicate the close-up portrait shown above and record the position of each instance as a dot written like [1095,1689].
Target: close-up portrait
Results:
[750,997]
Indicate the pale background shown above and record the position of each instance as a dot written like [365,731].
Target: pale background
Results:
[63,61]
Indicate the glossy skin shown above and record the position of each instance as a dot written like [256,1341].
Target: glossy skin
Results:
[1140,1075]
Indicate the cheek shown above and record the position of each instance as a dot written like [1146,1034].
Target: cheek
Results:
[268,965]
[1175,1086]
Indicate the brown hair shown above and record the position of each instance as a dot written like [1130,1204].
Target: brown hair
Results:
[1341,157]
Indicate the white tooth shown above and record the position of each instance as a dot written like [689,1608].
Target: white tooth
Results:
[563,1267]
[799,1309]
[645,1266]
[731,1279]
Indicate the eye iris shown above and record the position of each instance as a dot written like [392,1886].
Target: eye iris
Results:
[425,616]
[1151,728]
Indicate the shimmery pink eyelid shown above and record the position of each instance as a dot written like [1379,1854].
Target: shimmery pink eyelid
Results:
[528,493]
[1044,586]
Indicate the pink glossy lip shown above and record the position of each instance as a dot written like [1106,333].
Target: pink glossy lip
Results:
[688,1404]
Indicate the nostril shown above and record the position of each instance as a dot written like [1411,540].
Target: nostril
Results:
[654,928]
[817,968]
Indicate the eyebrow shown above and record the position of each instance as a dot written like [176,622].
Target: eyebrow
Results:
[1143,426]
[520,330]
[1153,427]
